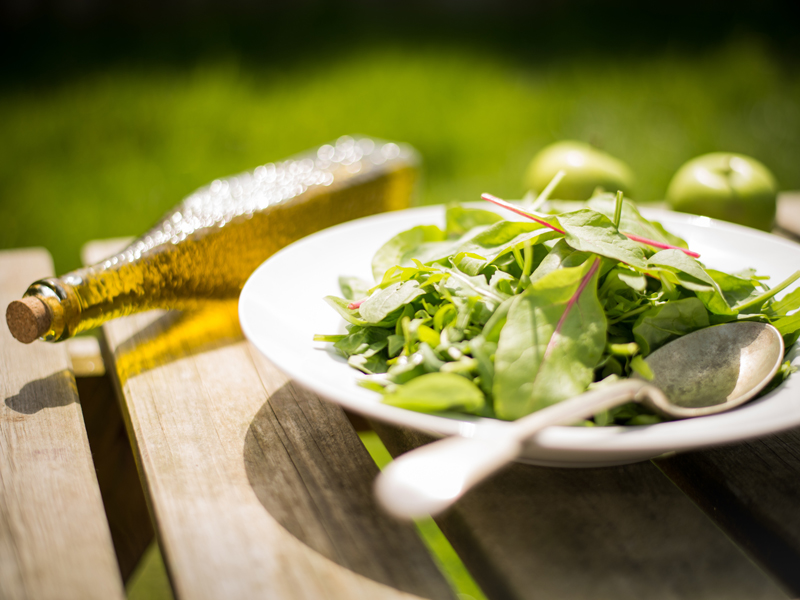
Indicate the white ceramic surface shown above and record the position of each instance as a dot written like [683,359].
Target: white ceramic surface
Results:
[282,307]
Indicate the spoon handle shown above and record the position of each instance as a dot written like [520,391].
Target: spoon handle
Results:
[429,479]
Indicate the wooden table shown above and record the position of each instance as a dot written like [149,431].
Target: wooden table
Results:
[255,488]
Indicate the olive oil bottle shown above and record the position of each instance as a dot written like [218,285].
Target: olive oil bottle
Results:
[207,247]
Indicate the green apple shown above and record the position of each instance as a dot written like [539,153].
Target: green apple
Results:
[726,186]
[587,168]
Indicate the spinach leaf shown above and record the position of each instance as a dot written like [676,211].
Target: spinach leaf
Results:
[350,315]
[370,363]
[362,339]
[731,291]
[665,322]
[459,220]
[688,272]
[561,256]
[591,231]
[788,303]
[354,288]
[392,252]
[788,325]
[489,244]
[384,302]
[632,220]
[553,339]
[435,392]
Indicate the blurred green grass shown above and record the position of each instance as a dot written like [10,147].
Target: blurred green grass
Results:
[105,151]
[443,554]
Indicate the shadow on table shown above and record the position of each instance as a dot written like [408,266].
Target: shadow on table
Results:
[47,392]
[311,473]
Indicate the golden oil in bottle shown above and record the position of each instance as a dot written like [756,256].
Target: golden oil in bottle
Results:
[207,247]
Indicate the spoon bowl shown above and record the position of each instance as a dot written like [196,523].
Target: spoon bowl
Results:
[715,369]
[709,371]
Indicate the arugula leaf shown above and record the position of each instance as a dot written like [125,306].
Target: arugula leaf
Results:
[554,336]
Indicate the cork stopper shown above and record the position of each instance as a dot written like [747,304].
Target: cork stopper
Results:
[28,319]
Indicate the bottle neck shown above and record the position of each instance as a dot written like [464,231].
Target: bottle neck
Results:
[63,307]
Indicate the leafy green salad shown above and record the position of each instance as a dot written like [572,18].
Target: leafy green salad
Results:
[501,318]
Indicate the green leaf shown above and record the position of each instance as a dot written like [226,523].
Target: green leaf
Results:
[640,367]
[436,392]
[484,352]
[384,302]
[350,315]
[590,231]
[788,325]
[690,273]
[459,220]
[363,339]
[392,252]
[494,326]
[788,303]
[553,338]
[731,291]
[490,244]
[354,288]
[561,256]
[665,322]
[370,364]
[635,281]
[632,220]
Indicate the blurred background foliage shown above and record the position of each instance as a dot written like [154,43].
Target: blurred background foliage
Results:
[110,113]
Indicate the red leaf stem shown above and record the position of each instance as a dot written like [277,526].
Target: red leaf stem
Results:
[356,304]
[661,245]
[572,301]
[519,211]
[630,236]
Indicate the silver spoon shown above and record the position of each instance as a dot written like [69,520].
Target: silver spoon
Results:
[703,373]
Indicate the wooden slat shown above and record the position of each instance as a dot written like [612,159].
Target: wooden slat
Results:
[257,488]
[752,491]
[609,533]
[54,538]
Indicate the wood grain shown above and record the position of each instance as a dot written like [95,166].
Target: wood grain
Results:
[54,538]
[606,533]
[257,488]
[752,491]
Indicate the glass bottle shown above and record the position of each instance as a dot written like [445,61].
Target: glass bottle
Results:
[207,247]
